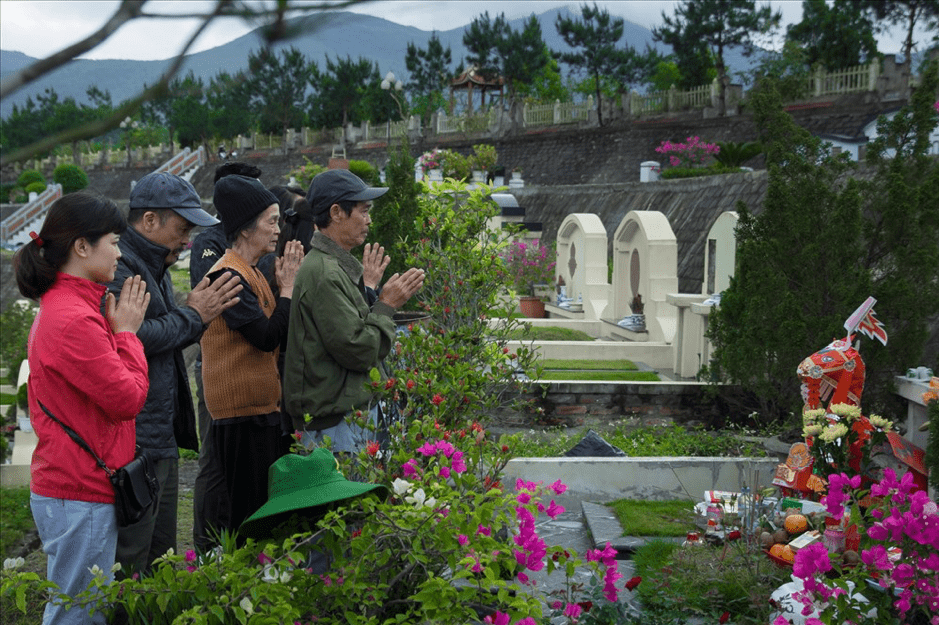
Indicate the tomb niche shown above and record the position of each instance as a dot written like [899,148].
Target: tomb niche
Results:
[645,262]
[581,268]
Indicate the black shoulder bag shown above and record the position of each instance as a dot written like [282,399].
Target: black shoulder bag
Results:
[135,484]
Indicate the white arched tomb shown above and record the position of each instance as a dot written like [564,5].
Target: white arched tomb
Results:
[645,262]
[581,250]
[720,253]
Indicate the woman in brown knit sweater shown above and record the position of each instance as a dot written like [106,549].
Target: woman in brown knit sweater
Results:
[239,349]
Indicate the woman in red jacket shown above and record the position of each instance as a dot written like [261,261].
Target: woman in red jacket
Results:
[89,370]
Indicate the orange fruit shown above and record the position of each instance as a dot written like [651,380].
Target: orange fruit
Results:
[796,523]
[783,552]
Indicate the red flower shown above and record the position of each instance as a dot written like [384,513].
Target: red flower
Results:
[724,618]
[390,383]
[734,535]
[372,448]
[410,384]
[633,582]
[505,448]
[437,399]
[586,605]
[356,533]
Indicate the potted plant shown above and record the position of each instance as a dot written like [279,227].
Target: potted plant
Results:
[482,161]
[529,263]
[431,164]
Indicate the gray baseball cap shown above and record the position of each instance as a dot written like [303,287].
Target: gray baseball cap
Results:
[165,190]
[336,185]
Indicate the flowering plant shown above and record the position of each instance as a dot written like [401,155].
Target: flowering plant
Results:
[429,160]
[843,439]
[305,173]
[688,154]
[529,263]
[901,549]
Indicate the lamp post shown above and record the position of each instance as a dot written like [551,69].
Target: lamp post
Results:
[127,125]
[391,85]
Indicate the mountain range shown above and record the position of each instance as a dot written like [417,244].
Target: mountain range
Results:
[337,34]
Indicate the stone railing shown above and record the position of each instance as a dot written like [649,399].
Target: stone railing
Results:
[851,80]
[15,223]
[557,113]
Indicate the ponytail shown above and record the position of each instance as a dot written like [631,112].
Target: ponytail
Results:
[74,216]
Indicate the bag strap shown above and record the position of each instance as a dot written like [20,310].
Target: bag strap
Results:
[78,439]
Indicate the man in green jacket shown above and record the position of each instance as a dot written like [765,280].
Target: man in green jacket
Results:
[336,336]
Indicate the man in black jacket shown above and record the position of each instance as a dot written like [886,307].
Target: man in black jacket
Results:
[164,209]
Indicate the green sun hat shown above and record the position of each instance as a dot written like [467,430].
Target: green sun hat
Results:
[296,483]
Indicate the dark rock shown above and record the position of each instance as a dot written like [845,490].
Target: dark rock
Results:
[592,444]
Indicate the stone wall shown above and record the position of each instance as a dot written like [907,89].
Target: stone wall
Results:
[571,404]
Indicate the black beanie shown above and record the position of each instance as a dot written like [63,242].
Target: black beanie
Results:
[239,200]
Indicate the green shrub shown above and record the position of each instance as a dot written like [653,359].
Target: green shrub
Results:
[394,213]
[71,177]
[15,323]
[735,154]
[366,171]
[6,189]
[28,176]
[35,187]
[306,172]
[22,398]
[455,165]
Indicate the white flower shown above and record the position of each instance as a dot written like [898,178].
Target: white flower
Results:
[812,430]
[116,567]
[834,432]
[96,571]
[401,487]
[247,606]
[417,498]
[430,503]
[13,563]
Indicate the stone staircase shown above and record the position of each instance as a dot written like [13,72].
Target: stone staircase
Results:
[14,472]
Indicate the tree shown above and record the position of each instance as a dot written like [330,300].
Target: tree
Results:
[482,38]
[905,12]
[278,88]
[825,241]
[716,24]
[395,212]
[546,85]
[836,36]
[430,72]
[523,55]
[340,89]
[596,35]
[188,112]
[229,101]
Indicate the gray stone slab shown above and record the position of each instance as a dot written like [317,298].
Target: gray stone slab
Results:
[605,528]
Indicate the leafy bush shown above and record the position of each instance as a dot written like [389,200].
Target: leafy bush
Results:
[6,189]
[455,165]
[305,173]
[35,187]
[71,177]
[15,518]
[484,157]
[15,323]
[733,154]
[528,263]
[28,176]
[22,397]
[366,171]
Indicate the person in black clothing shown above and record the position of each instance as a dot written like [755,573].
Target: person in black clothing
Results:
[210,494]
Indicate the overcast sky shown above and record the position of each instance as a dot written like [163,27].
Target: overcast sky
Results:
[40,28]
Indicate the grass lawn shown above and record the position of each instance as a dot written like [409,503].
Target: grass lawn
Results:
[600,376]
[654,518]
[610,365]
[549,334]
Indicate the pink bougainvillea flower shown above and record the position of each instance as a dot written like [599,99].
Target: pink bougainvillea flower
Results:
[523,498]
[498,618]
[558,488]
[190,556]
[521,484]
[409,468]
[554,510]
[445,472]
[572,611]
[462,539]
[263,558]
[484,530]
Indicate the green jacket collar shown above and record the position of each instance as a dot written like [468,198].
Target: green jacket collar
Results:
[347,261]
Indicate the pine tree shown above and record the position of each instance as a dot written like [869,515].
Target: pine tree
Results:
[717,24]
[828,237]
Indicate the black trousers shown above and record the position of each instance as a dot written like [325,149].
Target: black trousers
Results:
[246,448]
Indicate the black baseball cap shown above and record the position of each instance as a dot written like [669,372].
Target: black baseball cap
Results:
[336,185]
[162,189]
